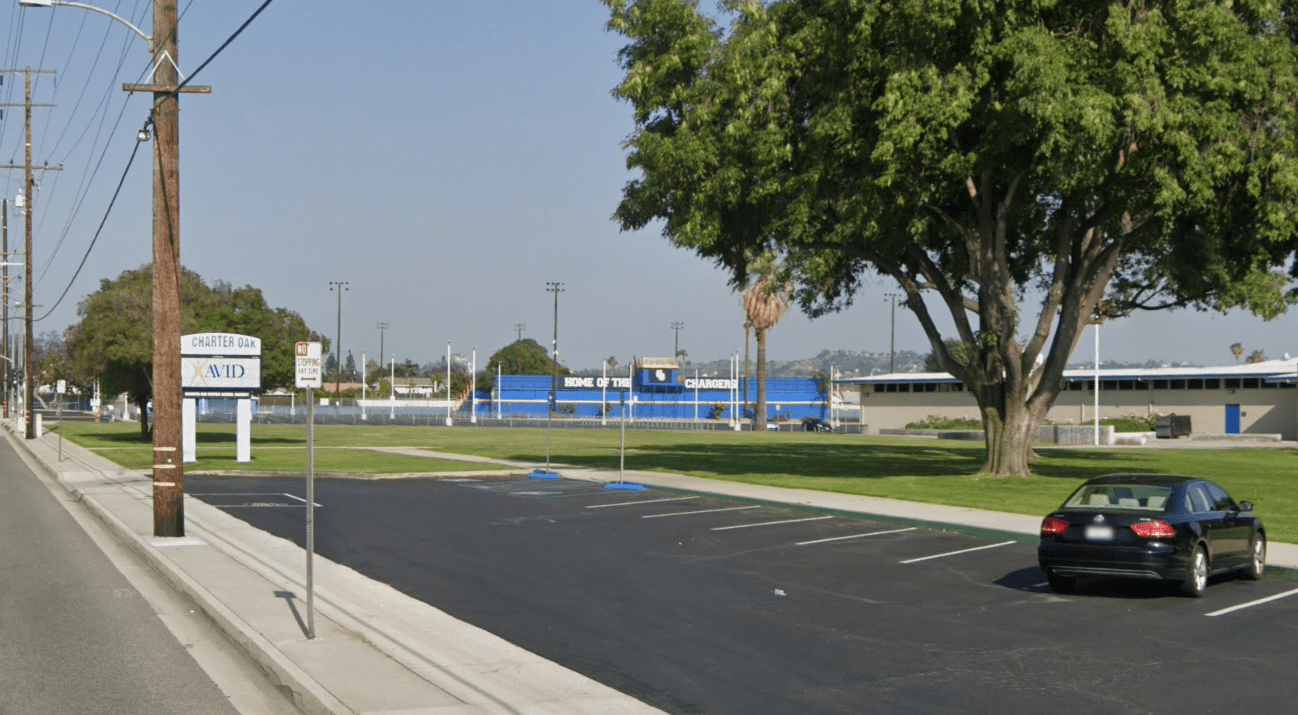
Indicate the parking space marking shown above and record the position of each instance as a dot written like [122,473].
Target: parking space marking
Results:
[1251,604]
[256,504]
[961,551]
[701,511]
[771,523]
[640,501]
[855,536]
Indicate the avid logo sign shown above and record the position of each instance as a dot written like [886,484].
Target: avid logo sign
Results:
[220,362]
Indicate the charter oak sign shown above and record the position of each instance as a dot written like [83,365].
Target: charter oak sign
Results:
[223,366]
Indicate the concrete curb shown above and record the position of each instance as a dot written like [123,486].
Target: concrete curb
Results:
[376,651]
[307,695]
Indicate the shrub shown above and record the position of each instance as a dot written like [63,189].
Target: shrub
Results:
[1131,423]
[952,423]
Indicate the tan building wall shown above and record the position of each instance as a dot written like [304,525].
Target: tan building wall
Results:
[1263,410]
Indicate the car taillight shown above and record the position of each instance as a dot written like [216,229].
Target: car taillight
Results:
[1153,530]
[1051,525]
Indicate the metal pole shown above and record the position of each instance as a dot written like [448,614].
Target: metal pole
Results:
[621,452]
[448,383]
[892,341]
[603,394]
[1097,385]
[473,387]
[363,376]
[338,347]
[310,513]
[555,288]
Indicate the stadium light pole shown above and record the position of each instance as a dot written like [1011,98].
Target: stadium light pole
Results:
[168,467]
[892,335]
[338,349]
[556,289]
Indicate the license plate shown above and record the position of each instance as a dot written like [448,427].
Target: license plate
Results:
[1099,533]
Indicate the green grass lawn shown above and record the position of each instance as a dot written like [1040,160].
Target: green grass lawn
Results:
[922,470]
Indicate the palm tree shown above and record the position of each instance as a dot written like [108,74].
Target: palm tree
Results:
[764,304]
[1237,349]
[612,362]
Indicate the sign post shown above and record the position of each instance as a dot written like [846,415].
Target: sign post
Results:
[308,374]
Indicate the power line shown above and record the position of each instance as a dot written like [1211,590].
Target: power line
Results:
[237,32]
[91,247]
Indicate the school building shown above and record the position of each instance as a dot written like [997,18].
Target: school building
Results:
[1250,399]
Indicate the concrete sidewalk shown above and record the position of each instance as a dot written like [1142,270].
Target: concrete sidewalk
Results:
[380,651]
[376,650]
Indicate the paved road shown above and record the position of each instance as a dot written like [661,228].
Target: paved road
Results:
[705,605]
[78,636]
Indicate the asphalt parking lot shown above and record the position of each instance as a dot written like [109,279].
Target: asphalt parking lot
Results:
[698,604]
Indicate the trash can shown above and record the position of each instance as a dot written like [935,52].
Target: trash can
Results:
[1172,426]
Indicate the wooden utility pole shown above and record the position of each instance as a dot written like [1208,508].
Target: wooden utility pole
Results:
[29,197]
[168,470]
[4,298]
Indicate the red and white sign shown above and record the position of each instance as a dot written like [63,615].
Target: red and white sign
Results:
[309,370]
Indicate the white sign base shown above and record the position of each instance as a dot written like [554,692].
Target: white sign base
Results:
[243,429]
[189,430]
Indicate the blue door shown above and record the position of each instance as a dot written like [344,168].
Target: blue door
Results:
[1232,419]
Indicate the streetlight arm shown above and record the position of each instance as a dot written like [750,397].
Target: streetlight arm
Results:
[91,8]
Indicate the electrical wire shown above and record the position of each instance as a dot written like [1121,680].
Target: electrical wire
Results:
[225,44]
[103,221]
[135,150]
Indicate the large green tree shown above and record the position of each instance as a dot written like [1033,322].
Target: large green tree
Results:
[1020,169]
[113,340]
[521,357]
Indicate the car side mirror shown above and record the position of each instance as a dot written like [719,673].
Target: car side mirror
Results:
[1246,506]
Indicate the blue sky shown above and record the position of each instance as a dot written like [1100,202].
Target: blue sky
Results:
[446,159]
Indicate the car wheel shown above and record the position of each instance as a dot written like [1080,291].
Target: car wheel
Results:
[1196,576]
[1060,584]
[1257,558]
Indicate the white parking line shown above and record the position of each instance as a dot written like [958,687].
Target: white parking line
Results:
[642,501]
[962,551]
[701,511]
[290,496]
[771,523]
[854,536]
[1250,604]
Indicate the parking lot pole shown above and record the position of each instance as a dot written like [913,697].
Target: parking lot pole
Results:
[310,513]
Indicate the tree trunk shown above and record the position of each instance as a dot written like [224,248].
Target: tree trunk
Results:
[760,413]
[145,431]
[1008,425]
[747,328]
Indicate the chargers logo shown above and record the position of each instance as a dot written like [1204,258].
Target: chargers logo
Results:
[660,376]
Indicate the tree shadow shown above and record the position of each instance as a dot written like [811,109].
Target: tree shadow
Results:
[837,460]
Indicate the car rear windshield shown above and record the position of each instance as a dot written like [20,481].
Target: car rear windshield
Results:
[1120,496]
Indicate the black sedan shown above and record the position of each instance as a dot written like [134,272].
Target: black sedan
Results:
[1151,526]
[816,424]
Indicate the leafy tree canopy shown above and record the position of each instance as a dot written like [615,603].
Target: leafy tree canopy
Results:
[1026,168]
[522,357]
[113,341]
